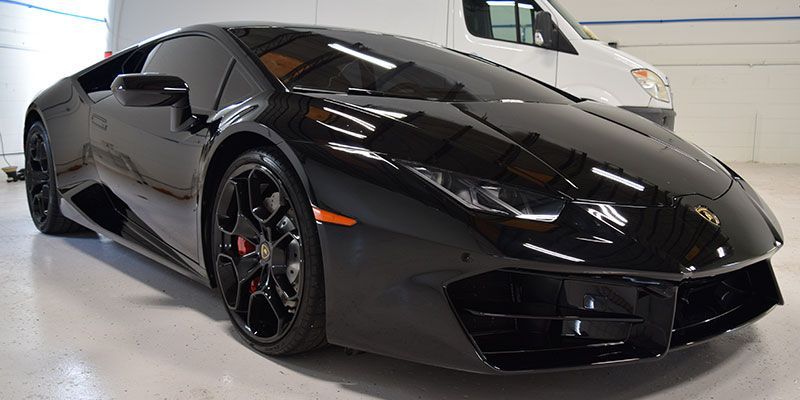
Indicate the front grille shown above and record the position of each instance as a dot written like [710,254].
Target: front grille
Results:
[522,320]
[711,306]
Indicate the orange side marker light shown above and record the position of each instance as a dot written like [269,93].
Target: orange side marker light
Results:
[332,218]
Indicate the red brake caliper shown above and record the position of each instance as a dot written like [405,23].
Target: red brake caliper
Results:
[244,247]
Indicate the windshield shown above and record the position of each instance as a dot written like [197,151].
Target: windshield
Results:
[582,31]
[325,60]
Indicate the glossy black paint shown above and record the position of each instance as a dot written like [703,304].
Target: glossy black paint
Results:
[124,172]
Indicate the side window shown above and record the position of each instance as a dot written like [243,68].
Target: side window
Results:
[237,88]
[527,11]
[97,81]
[200,61]
[506,20]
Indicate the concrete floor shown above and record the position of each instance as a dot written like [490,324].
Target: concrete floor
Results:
[86,318]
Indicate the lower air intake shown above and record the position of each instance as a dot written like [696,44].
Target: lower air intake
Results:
[521,320]
[710,306]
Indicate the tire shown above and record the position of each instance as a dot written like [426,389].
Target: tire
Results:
[40,185]
[266,255]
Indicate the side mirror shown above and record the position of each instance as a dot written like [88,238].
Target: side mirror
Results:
[156,90]
[543,29]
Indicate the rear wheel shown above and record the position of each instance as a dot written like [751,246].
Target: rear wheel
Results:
[40,184]
[267,256]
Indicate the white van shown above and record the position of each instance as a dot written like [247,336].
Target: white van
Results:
[536,37]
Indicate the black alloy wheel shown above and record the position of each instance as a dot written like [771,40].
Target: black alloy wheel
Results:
[266,256]
[40,184]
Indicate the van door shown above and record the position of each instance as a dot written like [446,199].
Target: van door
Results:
[502,31]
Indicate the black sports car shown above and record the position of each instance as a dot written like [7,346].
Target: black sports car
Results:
[396,197]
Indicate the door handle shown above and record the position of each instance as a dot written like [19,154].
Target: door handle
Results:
[99,122]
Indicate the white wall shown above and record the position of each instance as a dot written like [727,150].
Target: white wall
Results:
[37,48]
[179,13]
[736,84]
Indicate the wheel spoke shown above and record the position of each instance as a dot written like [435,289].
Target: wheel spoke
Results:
[233,218]
[247,268]
[282,281]
[37,177]
[288,236]
[228,280]
[40,154]
[266,314]
[245,228]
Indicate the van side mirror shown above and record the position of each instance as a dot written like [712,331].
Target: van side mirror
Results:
[156,90]
[543,29]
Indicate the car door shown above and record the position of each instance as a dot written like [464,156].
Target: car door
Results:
[152,171]
[502,31]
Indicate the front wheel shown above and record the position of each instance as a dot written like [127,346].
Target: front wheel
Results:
[266,255]
[40,184]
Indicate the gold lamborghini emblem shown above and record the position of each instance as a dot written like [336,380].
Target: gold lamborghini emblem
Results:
[707,215]
[264,252]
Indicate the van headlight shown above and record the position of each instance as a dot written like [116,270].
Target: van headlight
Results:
[491,197]
[652,84]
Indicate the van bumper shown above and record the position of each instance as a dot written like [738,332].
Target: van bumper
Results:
[662,116]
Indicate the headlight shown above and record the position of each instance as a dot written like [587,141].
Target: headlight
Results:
[492,197]
[652,84]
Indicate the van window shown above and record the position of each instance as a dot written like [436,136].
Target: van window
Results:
[506,20]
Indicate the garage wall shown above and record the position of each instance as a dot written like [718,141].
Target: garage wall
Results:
[736,83]
[42,41]
[178,13]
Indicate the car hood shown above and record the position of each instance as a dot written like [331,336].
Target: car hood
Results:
[584,151]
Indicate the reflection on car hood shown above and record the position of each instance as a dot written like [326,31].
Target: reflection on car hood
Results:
[585,151]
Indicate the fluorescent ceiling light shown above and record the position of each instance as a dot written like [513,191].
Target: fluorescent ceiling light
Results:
[345,131]
[616,178]
[366,57]
[359,121]
[386,113]
[552,253]
[539,217]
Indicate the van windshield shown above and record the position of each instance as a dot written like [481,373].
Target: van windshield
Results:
[339,61]
[582,31]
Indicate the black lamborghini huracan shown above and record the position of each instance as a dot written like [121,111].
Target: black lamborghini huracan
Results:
[396,197]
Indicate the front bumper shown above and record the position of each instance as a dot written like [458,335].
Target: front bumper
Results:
[662,116]
[427,281]
[520,320]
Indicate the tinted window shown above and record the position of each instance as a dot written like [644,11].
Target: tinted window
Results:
[356,62]
[237,88]
[198,60]
[97,81]
[501,19]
